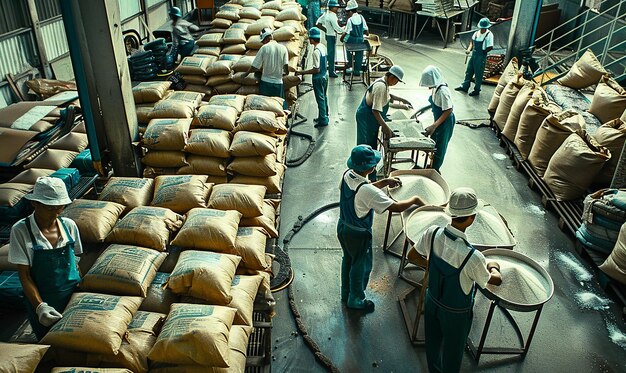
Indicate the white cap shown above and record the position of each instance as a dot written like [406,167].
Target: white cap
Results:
[397,71]
[50,191]
[463,202]
[352,4]
[265,33]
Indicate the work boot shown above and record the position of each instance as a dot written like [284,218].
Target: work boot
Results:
[364,305]
[474,93]
[333,75]
[461,89]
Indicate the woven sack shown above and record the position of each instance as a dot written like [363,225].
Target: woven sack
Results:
[254,166]
[146,226]
[216,116]
[509,73]
[248,90]
[512,122]
[30,176]
[94,219]
[247,199]
[227,88]
[148,92]
[264,103]
[180,193]
[250,144]
[166,134]
[229,14]
[291,13]
[615,264]
[272,183]
[194,79]
[234,36]
[261,121]
[143,113]
[243,291]
[245,79]
[20,357]
[531,118]
[221,67]
[209,142]
[159,298]
[243,65]
[507,97]
[203,165]
[53,159]
[209,51]
[73,141]
[209,229]
[250,246]
[209,40]
[193,66]
[164,159]
[216,80]
[267,221]
[173,109]
[250,13]
[221,23]
[254,42]
[235,101]
[128,191]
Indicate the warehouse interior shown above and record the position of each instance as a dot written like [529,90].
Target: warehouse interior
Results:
[199,255]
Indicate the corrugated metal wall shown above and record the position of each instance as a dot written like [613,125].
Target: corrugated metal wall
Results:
[13,15]
[47,9]
[54,40]
[18,53]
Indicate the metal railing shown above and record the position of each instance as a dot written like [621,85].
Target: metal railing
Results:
[551,56]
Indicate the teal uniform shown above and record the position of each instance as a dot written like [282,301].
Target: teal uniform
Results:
[272,90]
[331,47]
[186,49]
[55,275]
[356,36]
[443,133]
[475,66]
[447,311]
[367,127]
[355,237]
[320,89]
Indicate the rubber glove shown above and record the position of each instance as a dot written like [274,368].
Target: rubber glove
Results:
[47,315]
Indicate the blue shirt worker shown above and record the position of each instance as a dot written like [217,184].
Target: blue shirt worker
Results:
[320,76]
[441,105]
[272,61]
[480,44]
[358,200]
[356,29]
[44,246]
[329,23]
[371,114]
[454,270]
[182,41]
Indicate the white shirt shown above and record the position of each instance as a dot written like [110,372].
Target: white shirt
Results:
[442,97]
[487,38]
[454,252]
[379,96]
[331,23]
[368,197]
[271,60]
[321,51]
[356,19]
[21,245]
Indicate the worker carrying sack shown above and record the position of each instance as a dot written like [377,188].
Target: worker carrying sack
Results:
[94,219]
[180,193]
[247,199]
[146,226]
[209,229]
[265,103]
[128,191]
[166,134]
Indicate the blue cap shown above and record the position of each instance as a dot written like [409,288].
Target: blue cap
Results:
[315,33]
[175,11]
[363,157]
[484,23]
[333,4]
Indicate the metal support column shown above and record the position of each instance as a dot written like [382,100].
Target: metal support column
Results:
[41,50]
[523,26]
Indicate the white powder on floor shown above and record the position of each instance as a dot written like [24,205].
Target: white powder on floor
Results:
[499,156]
[534,209]
[569,261]
[520,284]
[616,335]
[416,185]
[591,301]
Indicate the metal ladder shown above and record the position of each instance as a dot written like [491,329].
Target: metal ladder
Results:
[559,53]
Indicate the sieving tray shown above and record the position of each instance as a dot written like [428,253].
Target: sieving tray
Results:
[406,191]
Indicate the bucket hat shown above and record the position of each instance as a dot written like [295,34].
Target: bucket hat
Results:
[484,23]
[50,191]
[315,33]
[463,202]
[363,157]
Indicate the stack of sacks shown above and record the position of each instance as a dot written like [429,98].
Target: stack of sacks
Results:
[604,213]
[509,73]
[226,16]
[612,136]
[209,44]
[194,72]
[207,149]
[609,100]
[537,109]
[146,94]
[219,73]
[507,98]
[517,107]
[165,140]
[249,82]
[615,264]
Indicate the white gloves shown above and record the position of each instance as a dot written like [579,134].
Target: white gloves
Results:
[47,315]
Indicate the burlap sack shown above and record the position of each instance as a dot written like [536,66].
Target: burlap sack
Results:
[221,67]
[194,98]
[73,141]
[216,116]
[610,135]
[216,180]
[290,13]
[128,191]
[180,193]
[254,166]
[512,122]
[250,144]
[195,79]
[52,159]
[205,275]
[234,36]
[228,14]
[509,73]
[245,79]
[578,152]
[537,109]
[251,53]
[146,227]
[123,270]
[95,219]
[248,90]
[254,42]
[269,12]
[256,27]
[147,92]
[267,221]
[89,370]
[243,65]
[250,245]
[290,81]
[243,291]
[247,199]
[250,13]
[143,113]
[285,33]
[209,51]
[293,47]
[235,48]
[152,172]
[93,323]
[230,57]
[274,4]
[507,97]
[195,334]
[553,131]
[202,165]
[209,229]
[615,264]
[272,183]
[235,101]
[264,103]
[205,90]
[193,66]
[261,121]
[585,72]
[173,109]
[216,80]
[209,142]
[609,100]
[159,298]
[209,40]
[19,357]
[300,27]
[30,176]
[264,296]
[166,134]
[164,159]
[227,88]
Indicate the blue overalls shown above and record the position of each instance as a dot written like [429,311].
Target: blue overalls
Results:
[331,47]
[355,237]
[55,275]
[356,36]
[447,311]
[320,88]
[367,127]
[313,12]
[443,133]
[476,65]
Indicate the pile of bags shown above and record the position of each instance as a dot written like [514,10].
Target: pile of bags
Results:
[559,140]
[604,214]
[143,65]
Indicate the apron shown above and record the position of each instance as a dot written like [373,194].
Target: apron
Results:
[320,89]
[355,237]
[366,125]
[476,65]
[356,37]
[442,134]
[448,310]
[55,275]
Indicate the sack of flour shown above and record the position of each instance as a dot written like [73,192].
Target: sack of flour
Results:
[95,219]
[146,226]
[209,229]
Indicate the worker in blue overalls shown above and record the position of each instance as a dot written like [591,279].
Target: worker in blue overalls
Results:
[320,76]
[44,246]
[455,267]
[182,40]
[356,29]
[441,105]
[358,201]
[329,23]
[371,115]
[480,44]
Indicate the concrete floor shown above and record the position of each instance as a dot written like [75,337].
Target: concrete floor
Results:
[571,335]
